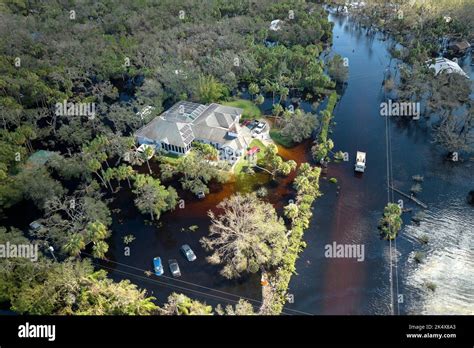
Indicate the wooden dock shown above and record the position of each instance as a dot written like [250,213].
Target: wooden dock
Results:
[413,198]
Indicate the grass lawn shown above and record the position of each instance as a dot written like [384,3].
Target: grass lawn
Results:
[170,158]
[242,161]
[251,111]
[280,139]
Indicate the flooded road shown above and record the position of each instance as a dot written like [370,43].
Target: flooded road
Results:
[346,286]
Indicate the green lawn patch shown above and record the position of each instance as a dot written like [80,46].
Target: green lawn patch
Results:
[251,111]
[170,158]
[276,136]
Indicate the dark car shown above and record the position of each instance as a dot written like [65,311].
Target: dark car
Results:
[253,124]
[174,268]
[188,252]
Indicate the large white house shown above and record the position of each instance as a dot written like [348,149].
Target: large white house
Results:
[443,65]
[175,129]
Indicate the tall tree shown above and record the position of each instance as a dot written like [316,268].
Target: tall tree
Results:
[246,236]
[152,197]
[209,90]
[274,164]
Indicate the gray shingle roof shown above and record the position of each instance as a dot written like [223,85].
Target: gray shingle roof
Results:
[185,121]
[167,131]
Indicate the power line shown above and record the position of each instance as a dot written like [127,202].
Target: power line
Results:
[388,201]
[393,199]
[197,285]
[171,285]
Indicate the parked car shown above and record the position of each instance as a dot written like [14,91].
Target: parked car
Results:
[260,127]
[174,268]
[188,252]
[246,122]
[200,195]
[35,226]
[253,124]
[158,265]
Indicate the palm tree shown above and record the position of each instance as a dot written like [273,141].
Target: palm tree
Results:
[146,154]
[125,172]
[99,249]
[108,175]
[253,89]
[75,244]
[96,231]
[94,166]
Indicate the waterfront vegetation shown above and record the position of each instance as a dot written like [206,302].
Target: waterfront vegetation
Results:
[195,170]
[299,213]
[419,26]
[246,237]
[423,30]
[323,145]
[391,222]
[278,138]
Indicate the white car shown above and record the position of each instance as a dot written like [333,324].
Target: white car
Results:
[188,252]
[260,127]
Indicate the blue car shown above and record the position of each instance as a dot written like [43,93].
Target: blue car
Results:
[158,266]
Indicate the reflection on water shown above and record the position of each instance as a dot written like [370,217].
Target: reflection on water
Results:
[449,262]
[342,286]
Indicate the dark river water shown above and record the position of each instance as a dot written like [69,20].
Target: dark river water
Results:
[326,285]
[346,286]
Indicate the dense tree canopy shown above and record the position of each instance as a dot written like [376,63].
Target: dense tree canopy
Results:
[69,287]
[248,235]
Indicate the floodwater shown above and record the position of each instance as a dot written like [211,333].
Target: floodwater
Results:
[346,216]
[346,286]
[331,285]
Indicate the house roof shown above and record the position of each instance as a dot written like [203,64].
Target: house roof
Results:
[216,115]
[185,121]
[167,131]
[275,24]
[184,111]
[444,65]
